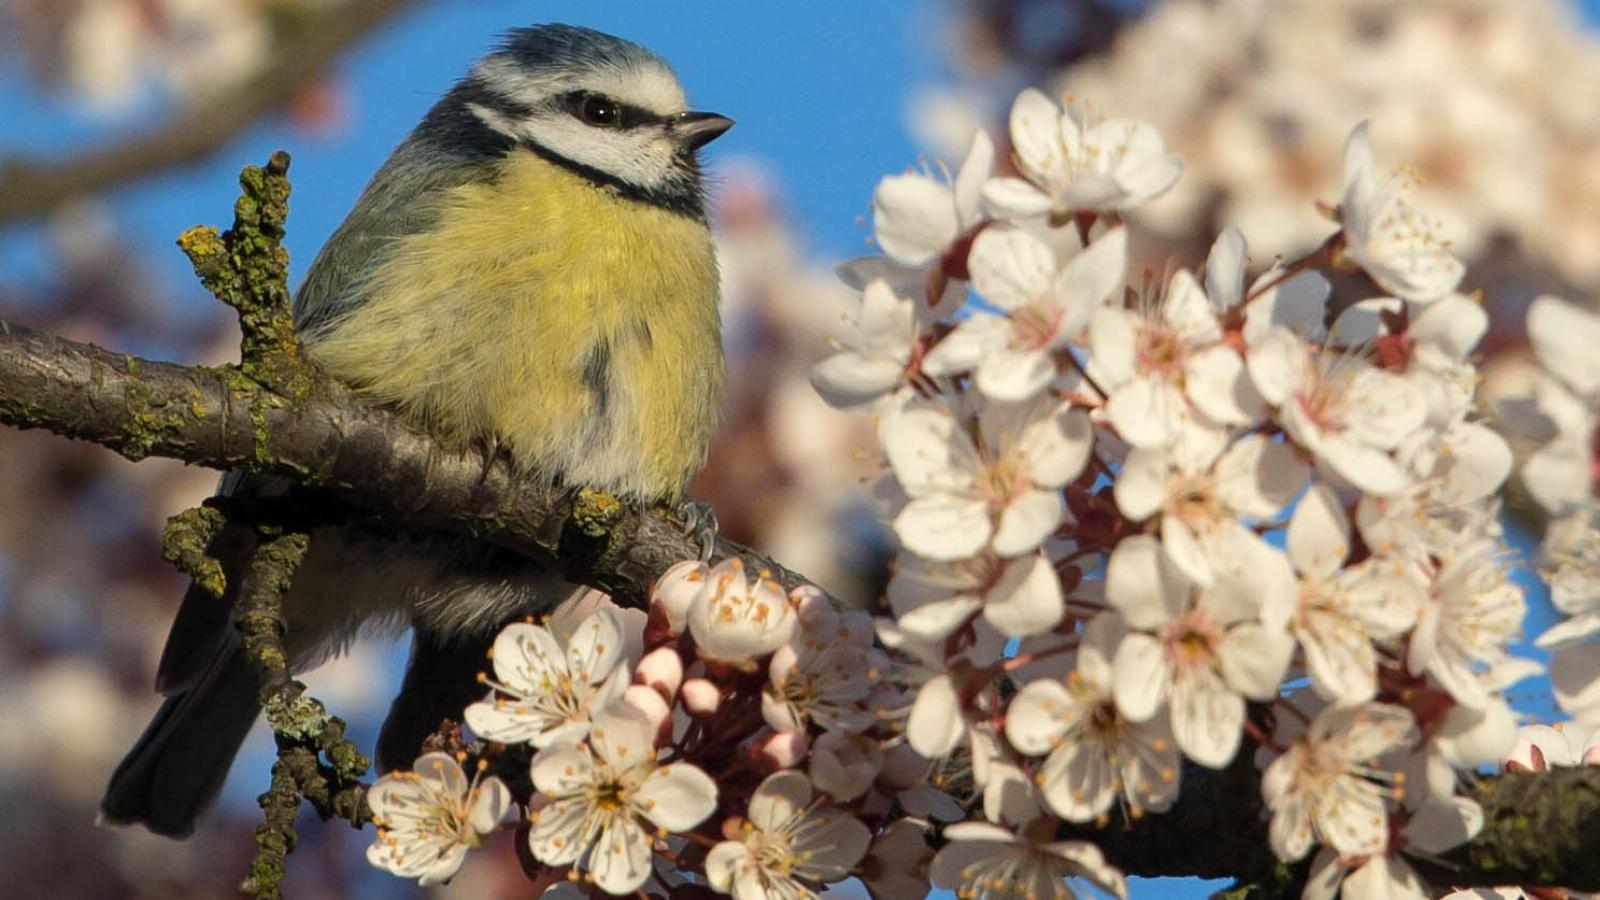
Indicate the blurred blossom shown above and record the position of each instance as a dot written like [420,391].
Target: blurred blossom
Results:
[111,53]
[1489,102]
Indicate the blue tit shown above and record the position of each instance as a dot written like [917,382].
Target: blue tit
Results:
[530,269]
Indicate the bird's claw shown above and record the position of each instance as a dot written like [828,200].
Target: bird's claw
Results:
[493,451]
[699,521]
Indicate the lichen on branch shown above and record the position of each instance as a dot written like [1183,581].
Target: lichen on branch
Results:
[247,268]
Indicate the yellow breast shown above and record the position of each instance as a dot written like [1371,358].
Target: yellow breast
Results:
[577,326]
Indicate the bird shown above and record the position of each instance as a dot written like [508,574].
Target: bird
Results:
[531,270]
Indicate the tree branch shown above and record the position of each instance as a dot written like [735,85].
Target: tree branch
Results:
[221,418]
[307,42]
[1540,828]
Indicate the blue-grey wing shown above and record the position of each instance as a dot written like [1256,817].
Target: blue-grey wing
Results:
[451,147]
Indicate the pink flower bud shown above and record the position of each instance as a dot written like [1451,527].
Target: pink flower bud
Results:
[770,751]
[676,589]
[646,700]
[662,669]
[701,697]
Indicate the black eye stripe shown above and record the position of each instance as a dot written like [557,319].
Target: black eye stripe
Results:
[602,111]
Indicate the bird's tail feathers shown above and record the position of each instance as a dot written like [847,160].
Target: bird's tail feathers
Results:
[175,771]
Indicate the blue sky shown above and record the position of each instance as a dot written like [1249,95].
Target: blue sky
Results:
[819,91]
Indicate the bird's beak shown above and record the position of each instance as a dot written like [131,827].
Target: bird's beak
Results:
[697,129]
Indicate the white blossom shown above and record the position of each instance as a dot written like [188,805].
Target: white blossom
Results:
[1341,613]
[735,621]
[1345,411]
[1540,747]
[1472,614]
[1044,306]
[916,217]
[1000,491]
[987,862]
[1163,361]
[1071,163]
[1398,246]
[1201,651]
[1204,501]
[875,364]
[823,675]
[1561,475]
[607,798]
[428,818]
[1095,755]
[546,690]
[785,842]
[1322,787]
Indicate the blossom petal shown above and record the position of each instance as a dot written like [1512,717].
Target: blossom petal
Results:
[677,797]
[1564,337]
[929,450]
[935,725]
[1140,676]
[1206,719]
[1035,128]
[1013,198]
[1027,599]
[724,862]
[1010,267]
[1319,534]
[944,527]
[1225,269]
[1141,585]
[1028,520]
[620,857]
[1254,660]
[557,835]
[913,218]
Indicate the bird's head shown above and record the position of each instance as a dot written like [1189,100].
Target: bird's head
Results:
[603,106]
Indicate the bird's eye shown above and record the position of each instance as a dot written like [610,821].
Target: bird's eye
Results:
[599,111]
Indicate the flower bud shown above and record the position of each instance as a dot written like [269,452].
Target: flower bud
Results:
[662,669]
[701,697]
[647,701]
[768,751]
[735,622]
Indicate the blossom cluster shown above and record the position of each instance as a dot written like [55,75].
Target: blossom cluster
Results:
[1151,520]
[731,739]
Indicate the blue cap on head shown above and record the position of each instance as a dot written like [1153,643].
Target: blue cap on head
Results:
[564,47]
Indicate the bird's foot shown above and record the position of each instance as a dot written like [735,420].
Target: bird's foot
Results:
[493,451]
[699,522]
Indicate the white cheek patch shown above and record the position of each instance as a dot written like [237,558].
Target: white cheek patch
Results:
[643,157]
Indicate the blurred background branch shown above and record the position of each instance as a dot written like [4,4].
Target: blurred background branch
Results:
[306,42]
